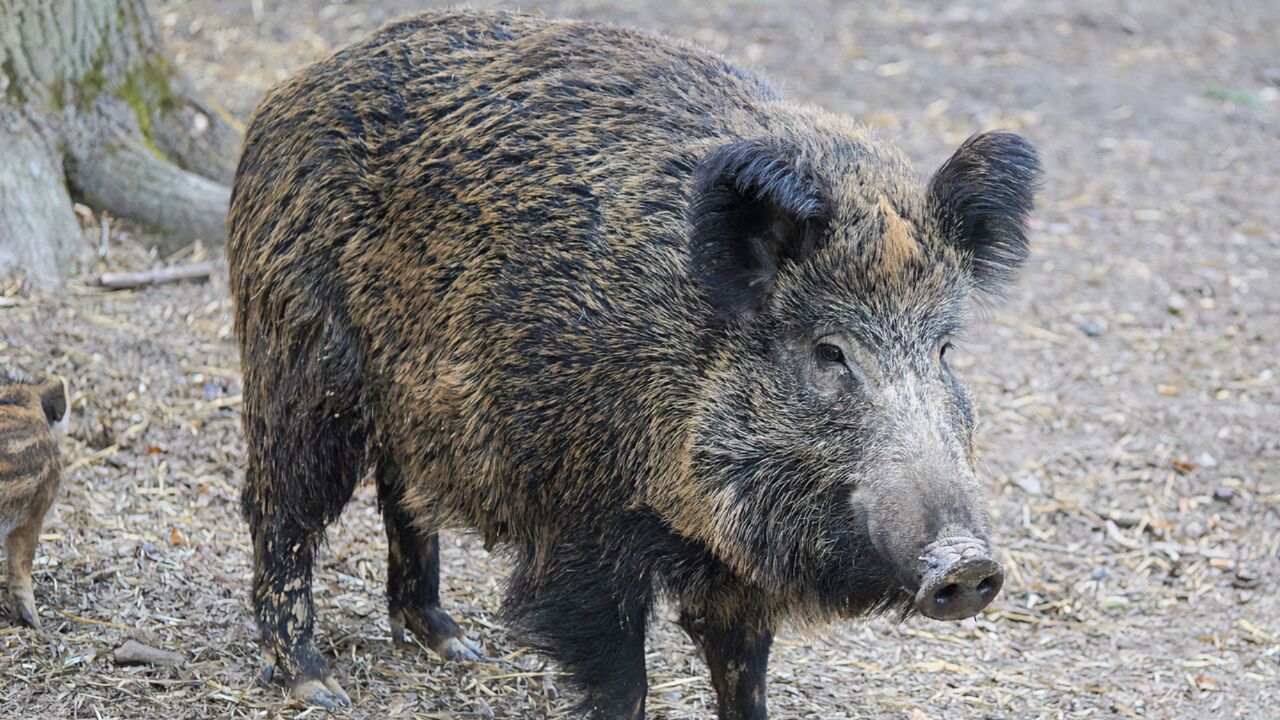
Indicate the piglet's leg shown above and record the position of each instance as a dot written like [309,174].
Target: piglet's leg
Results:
[22,552]
[738,656]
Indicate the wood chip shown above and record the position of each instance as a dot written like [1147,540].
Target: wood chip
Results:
[135,653]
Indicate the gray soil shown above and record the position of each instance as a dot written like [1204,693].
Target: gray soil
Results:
[1128,388]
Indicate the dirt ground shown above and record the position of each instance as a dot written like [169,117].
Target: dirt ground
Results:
[1129,390]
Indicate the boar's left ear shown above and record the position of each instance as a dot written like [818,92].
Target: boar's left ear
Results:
[53,399]
[752,209]
[983,197]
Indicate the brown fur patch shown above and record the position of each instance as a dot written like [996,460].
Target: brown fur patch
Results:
[898,247]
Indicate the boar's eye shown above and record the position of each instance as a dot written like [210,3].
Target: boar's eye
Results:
[942,352]
[830,353]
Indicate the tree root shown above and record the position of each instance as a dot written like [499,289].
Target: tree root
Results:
[92,107]
[112,170]
[199,138]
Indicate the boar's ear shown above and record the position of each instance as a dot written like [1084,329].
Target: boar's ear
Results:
[752,210]
[983,197]
[53,398]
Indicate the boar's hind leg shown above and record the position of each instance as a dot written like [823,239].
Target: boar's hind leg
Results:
[413,578]
[287,522]
[283,557]
[737,655]
[306,442]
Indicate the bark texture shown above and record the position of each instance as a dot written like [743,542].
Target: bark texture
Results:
[92,107]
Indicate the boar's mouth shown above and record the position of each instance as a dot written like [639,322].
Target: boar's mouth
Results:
[876,585]
[951,578]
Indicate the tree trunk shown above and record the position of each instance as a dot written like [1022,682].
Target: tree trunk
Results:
[92,107]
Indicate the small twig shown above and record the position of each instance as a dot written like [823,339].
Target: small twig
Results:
[257,676]
[160,276]
[91,621]
[87,459]
[104,241]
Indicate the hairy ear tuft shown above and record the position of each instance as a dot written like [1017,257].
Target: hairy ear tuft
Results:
[752,210]
[983,196]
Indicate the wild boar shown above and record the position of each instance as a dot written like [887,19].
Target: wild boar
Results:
[615,305]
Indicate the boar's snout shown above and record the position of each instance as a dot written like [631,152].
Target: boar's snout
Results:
[960,579]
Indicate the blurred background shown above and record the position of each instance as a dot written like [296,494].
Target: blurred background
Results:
[1128,390]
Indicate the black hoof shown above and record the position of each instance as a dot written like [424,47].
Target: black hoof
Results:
[437,631]
[460,649]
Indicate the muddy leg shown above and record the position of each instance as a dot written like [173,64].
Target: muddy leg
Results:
[413,580]
[22,552]
[738,656]
[282,560]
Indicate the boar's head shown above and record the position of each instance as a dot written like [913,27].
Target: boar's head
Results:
[833,455]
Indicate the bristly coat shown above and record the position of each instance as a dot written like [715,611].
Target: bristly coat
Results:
[549,281]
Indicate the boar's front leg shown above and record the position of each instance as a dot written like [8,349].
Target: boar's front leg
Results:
[590,618]
[737,653]
[413,577]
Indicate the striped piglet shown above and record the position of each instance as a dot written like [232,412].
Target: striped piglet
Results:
[30,470]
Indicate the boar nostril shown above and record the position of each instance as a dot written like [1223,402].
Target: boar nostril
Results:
[944,596]
[987,588]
